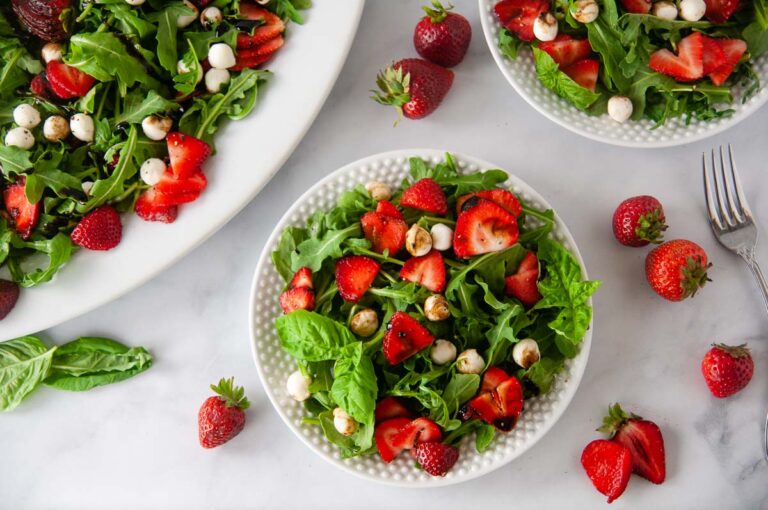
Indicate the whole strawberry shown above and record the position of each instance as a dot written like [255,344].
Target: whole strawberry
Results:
[100,229]
[442,37]
[222,417]
[9,294]
[415,87]
[727,369]
[677,269]
[638,221]
[436,458]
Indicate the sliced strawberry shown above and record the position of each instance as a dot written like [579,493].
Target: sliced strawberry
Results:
[23,213]
[302,278]
[148,209]
[608,465]
[499,402]
[492,378]
[427,270]
[354,275]
[405,337]
[687,65]
[522,284]
[384,434]
[100,229]
[67,82]
[173,191]
[271,28]
[254,12]
[43,18]
[584,72]
[713,55]
[518,16]
[384,232]
[40,87]
[484,407]
[187,154]
[510,398]
[733,50]
[483,227]
[643,438]
[297,298]
[565,50]
[256,56]
[391,407]
[637,6]
[501,196]
[718,11]
[389,209]
[436,458]
[419,430]
[425,195]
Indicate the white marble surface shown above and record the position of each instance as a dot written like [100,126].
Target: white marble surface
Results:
[134,445]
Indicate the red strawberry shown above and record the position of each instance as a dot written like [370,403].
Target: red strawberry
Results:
[271,28]
[420,430]
[483,227]
[9,294]
[499,402]
[436,458]
[415,87]
[713,55]
[175,191]
[425,195]
[637,6]
[718,11]
[727,369]
[733,49]
[187,154]
[354,275]
[608,465]
[501,196]
[148,209]
[40,87]
[256,56]
[566,50]
[405,337]
[518,16]
[677,269]
[23,213]
[383,435]
[492,377]
[385,233]
[67,82]
[391,407]
[642,438]
[222,417]
[687,65]
[442,37]
[584,72]
[522,284]
[427,270]
[100,229]
[638,221]
[42,18]
[302,278]
[298,298]
[389,209]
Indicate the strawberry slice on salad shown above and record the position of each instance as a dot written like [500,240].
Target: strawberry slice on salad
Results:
[385,233]
[405,337]
[24,214]
[150,206]
[719,11]
[302,278]
[565,50]
[713,55]
[518,16]
[384,435]
[300,294]
[687,65]
[256,56]
[67,82]
[272,26]
[427,270]
[733,49]
[389,209]
[500,196]
[354,276]
[175,191]
[522,284]
[637,6]
[584,72]
[186,153]
[419,430]
[425,195]
[391,407]
[499,402]
[483,227]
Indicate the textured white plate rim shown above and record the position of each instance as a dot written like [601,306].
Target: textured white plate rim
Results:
[336,45]
[501,63]
[265,258]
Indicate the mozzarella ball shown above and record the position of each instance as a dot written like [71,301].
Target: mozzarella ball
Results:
[151,170]
[20,137]
[620,108]
[215,79]
[470,362]
[664,10]
[692,10]
[585,11]
[297,386]
[221,56]
[436,308]
[26,116]
[186,19]
[155,128]
[211,16]
[545,27]
[182,68]
[87,186]
[135,3]
[526,352]
[81,125]
[55,128]
[442,352]
[365,322]
[418,241]
[343,423]
[51,51]
[379,190]
[442,236]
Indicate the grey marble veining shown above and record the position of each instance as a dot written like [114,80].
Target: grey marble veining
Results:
[134,445]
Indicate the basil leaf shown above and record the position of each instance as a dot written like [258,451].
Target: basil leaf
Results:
[281,257]
[509,45]
[560,83]
[460,388]
[24,363]
[484,437]
[312,252]
[355,389]
[310,336]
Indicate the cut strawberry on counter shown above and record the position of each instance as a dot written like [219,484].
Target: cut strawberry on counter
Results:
[23,213]
[637,6]
[566,50]
[354,275]
[712,54]
[391,407]
[389,209]
[522,284]
[417,431]
[384,434]
[176,191]
[415,87]
[385,233]
[67,82]
[405,337]
[642,438]
[687,65]
[427,270]
[436,458]
[187,154]
[608,465]
[483,227]
[584,72]
[100,229]
[300,294]
[719,11]
[148,208]
[502,197]
[733,49]
[425,195]
[43,18]
[518,16]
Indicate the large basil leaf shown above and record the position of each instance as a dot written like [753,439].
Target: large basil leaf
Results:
[355,389]
[310,336]
[24,363]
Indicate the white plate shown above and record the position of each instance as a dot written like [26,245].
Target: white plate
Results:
[250,151]
[274,365]
[520,73]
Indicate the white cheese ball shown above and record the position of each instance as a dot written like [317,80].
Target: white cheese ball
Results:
[215,79]
[20,137]
[26,116]
[55,128]
[81,125]
[470,362]
[221,56]
[692,10]
[585,11]
[442,352]
[379,190]
[182,68]
[297,386]
[418,241]
[620,108]
[442,237]
[545,27]
[664,10]
[186,19]
[211,16]
[87,187]
[135,3]
[343,423]
[526,352]
[151,170]
[155,128]
[365,322]
[51,52]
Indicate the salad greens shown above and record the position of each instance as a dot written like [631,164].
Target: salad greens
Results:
[352,373]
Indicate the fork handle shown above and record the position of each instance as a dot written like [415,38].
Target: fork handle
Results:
[749,258]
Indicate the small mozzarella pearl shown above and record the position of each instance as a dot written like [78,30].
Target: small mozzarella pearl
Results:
[182,68]
[51,51]
[443,352]
[620,108]
[692,10]
[297,386]
[379,190]
[470,362]
[134,2]
[545,27]
[81,125]
[221,56]
[526,352]
[210,16]
[343,423]
[151,170]
[55,128]
[442,236]
[87,186]
[26,116]
[155,128]
[186,19]
[665,10]
[585,11]
[215,79]
[20,137]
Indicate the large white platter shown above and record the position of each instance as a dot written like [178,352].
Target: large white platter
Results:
[249,153]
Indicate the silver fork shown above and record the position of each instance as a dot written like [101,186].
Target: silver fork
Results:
[732,221]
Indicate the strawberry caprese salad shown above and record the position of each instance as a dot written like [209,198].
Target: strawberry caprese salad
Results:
[422,315]
[635,59]
[109,107]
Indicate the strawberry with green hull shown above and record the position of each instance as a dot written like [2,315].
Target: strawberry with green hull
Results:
[677,269]
[727,369]
[415,87]
[222,417]
[642,438]
[639,221]
[442,36]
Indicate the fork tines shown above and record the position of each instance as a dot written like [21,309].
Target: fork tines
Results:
[725,210]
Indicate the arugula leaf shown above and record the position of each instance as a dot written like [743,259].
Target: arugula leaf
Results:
[491,266]
[46,174]
[310,336]
[113,186]
[24,363]
[129,22]
[560,83]
[312,252]
[139,105]
[509,45]
[460,388]
[13,160]
[167,53]
[58,249]
[503,335]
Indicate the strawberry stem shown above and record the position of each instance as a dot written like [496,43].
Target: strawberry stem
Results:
[615,419]
[694,276]
[437,12]
[394,89]
[651,226]
[736,351]
[234,396]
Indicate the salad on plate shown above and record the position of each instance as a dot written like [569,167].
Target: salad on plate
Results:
[422,315]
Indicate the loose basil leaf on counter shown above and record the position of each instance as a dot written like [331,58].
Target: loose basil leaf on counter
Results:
[24,364]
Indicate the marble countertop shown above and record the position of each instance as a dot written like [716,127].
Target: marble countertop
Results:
[134,444]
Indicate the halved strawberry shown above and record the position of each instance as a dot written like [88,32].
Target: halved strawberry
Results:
[272,26]
[67,82]
[687,65]
[43,18]
[522,284]
[502,197]
[297,298]
[436,458]
[484,407]
[256,56]
[642,437]
[718,11]
[566,50]
[584,72]
[733,50]
[483,227]
[608,465]
[420,430]
[385,233]
[40,87]
[389,209]
[354,275]
[518,16]
[637,6]
[391,407]
[499,402]
[23,213]
[427,270]
[174,191]
[301,278]
[425,195]
[148,209]
[713,55]
[510,398]
[383,435]
[405,337]
[492,378]
[100,229]
[187,154]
